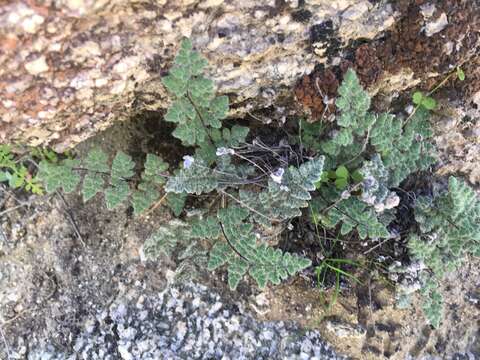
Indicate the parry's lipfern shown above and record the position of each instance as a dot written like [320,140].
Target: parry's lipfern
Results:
[220,164]
[380,151]
[349,179]
[195,109]
[449,225]
[114,180]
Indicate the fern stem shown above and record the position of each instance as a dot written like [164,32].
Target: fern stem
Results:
[251,162]
[339,200]
[334,205]
[230,244]
[101,173]
[201,118]
[156,205]
[364,147]
[246,206]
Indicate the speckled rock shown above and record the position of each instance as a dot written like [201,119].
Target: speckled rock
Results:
[70,68]
[187,322]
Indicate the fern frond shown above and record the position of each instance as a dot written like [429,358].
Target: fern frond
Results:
[165,238]
[60,175]
[351,213]
[283,200]
[196,110]
[450,223]
[242,254]
[353,102]
[197,178]
[375,183]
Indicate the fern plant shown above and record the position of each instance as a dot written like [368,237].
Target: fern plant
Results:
[114,180]
[348,179]
[384,150]
[219,164]
[379,151]
[449,230]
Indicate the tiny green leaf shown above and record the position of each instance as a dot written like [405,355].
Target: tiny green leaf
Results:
[417,97]
[341,172]
[460,74]
[341,183]
[429,103]
[357,176]
[4,176]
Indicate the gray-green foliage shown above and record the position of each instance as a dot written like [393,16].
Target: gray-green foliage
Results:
[349,183]
[243,254]
[351,213]
[60,175]
[449,225]
[112,178]
[381,149]
[195,109]
[165,238]
[385,149]
[284,198]
[402,145]
[234,245]
[216,167]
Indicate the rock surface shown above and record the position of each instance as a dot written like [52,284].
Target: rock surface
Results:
[69,69]
[188,322]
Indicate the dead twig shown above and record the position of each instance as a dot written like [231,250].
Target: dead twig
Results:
[9,210]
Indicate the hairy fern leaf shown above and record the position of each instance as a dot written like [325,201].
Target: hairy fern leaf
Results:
[195,178]
[196,110]
[61,175]
[176,202]
[93,183]
[284,198]
[165,238]
[242,254]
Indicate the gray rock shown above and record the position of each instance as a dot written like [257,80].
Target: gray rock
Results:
[201,326]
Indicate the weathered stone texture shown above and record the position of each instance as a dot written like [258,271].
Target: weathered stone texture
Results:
[70,68]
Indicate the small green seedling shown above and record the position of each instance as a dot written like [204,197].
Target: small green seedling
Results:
[420,99]
[429,103]
[341,177]
[15,173]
